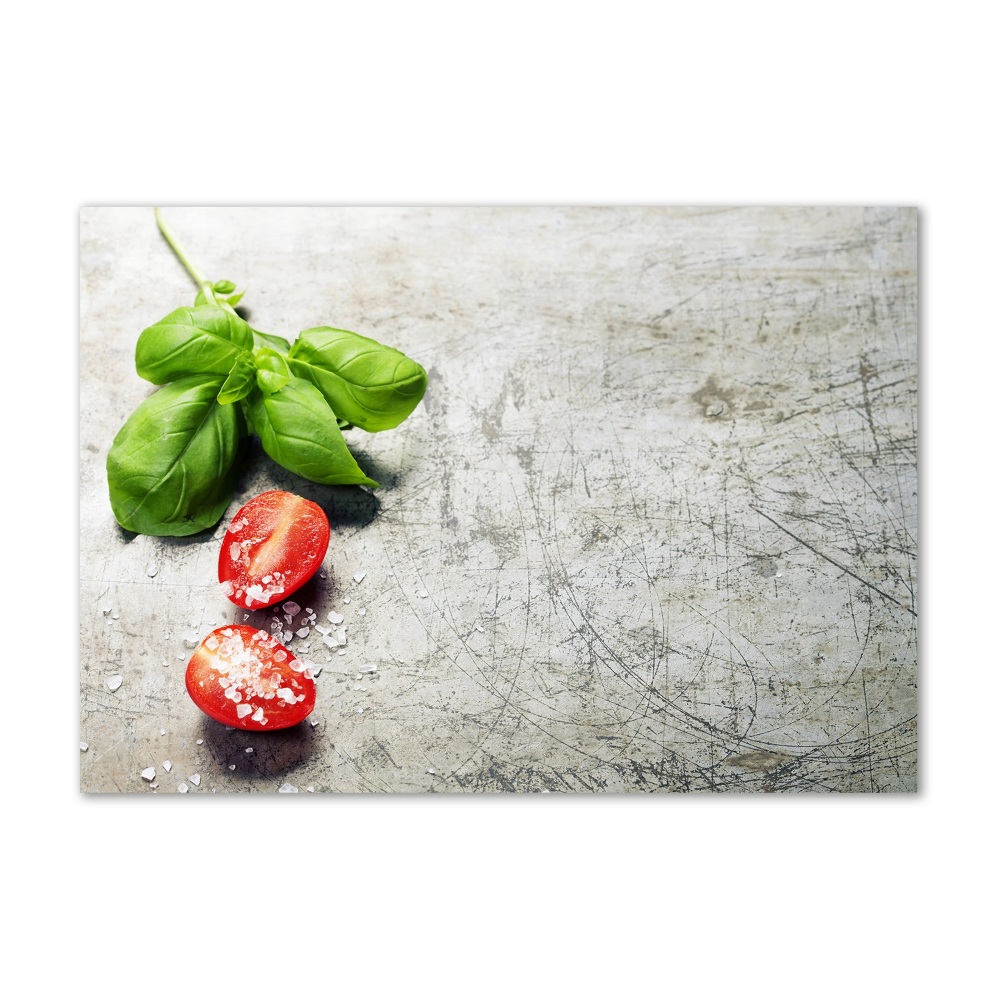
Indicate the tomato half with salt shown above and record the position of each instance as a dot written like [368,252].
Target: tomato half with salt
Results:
[273,545]
[243,677]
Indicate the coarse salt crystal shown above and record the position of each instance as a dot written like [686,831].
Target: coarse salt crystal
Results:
[302,633]
[190,639]
[314,722]
[368,668]
[167,765]
[163,732]
[195,779]
[362,612]
[249,750]
[342,652]
[431,770]
[232,767]
[286,787]
[335,618]
[84,746]
[309,788]
[114,682]
[182,788]
[347,600]
[199,742]
[360,710]
[242,711]
[152,569]
[290,608]
[421,593]
[358,577]
[149,773]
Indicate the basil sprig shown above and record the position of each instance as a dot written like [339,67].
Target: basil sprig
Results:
[172,466]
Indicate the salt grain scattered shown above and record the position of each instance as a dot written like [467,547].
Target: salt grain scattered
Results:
[479,628]
[249,750]
[360,710]
[335,618]
[195,779]
[152,569]
[290,608]
[309,788]
[83,746]
[314,722]
[163,732]
[167,765]
[149,773]
[106,609]
[199,742]
[342,652]
[431,770]
[358,577]
[367,668]
[232,767]
[347,600]
[114,682]
[421,593]
[362,612]
[286,787]
[302,633]
[182,788]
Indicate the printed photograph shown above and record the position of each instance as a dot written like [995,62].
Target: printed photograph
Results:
[499,499]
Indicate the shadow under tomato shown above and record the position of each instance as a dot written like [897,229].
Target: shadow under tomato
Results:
[274,753]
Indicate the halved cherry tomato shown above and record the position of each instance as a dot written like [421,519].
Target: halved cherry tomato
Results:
[243,677]
[273,545]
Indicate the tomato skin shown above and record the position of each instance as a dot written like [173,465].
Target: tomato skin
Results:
[239,665]
[273,545]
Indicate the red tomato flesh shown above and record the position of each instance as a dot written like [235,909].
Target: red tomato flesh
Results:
[273,545]
[243,677]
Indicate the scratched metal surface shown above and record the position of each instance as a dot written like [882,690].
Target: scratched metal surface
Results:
[660,497]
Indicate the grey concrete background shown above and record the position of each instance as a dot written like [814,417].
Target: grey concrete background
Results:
[660,497]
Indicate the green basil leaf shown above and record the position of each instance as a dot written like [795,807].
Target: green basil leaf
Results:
[366,383]
[227,302]
[272,370]
[241,380]
[299,431]
[171,467]
[199,340]
[271,340]
[223,287]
